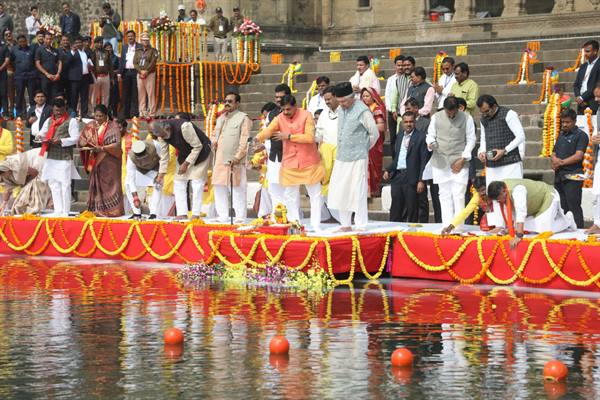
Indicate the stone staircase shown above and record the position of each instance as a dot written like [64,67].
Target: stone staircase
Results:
[492,65]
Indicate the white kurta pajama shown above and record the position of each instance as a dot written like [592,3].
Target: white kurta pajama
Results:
[367,80]
[348,187]
[452,186]
[59,173]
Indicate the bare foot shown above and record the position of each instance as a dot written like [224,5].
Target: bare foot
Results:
[344,229]
[594,230]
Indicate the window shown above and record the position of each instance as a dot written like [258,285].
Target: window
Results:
[364,3]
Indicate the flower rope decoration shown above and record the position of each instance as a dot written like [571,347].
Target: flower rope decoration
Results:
[551,125]
[528,57]
[588,157]
[581,59]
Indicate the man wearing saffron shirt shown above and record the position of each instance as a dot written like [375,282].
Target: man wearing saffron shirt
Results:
[301,164]
[59,135]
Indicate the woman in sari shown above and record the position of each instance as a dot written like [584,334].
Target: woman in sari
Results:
[370,97]
[100,144]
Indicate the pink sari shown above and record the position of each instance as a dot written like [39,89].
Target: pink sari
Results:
[376,152]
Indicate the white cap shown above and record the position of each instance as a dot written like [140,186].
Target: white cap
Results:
[180,7]
[138,147]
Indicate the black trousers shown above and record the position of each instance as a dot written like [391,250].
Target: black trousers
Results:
[405,207]
[49,88]
[20,86]
[79,93]
[4,93]
[435,202]
[129,103]
[392,127]
[570,198]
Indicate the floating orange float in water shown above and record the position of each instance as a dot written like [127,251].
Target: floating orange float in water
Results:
[555,371]
[173,336]
[279,345]
[402,357]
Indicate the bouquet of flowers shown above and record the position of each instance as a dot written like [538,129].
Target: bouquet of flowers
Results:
[49,24]
[162,24]
[249,27]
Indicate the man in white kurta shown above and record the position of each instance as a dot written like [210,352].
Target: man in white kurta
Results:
[445,82]
[59,135]
[317,102]
[230,144]
[364,77]
[357,133]
[451,138]
[21,171]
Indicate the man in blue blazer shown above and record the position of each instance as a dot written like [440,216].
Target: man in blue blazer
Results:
[406,171]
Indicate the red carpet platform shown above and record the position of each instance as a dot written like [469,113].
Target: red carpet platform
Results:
[537,262]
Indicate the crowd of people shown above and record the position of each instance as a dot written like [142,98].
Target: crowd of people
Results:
[89,71]
[334,148]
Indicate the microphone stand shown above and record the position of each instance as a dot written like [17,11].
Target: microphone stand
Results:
[231,192]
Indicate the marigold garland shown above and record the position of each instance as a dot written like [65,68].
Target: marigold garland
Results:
[437,66]
[528,57]
[588,157]
[551,125]
[581,59]
[549,79]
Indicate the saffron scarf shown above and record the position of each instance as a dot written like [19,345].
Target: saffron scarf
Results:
[508,217]
[55,123]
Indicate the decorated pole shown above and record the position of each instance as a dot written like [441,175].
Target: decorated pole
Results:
[135,128]
[192,93]
[19,138]
[588,157]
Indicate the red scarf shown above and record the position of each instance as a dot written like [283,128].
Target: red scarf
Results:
[508,219]
[55,123]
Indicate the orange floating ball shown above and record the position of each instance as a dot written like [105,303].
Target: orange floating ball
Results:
[173,336]
[279,345]
[555,371]
[402,357]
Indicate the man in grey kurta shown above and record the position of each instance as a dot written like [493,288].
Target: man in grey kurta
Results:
[357,133]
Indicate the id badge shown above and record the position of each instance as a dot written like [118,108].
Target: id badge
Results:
[221,28]
[142,62]
[101,63]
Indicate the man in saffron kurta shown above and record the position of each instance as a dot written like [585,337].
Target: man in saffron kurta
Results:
[230,144]
[301,164]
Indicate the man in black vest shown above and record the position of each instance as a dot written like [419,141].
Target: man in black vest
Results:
[502,141]
[275,149]
[193,161]
[421,91]
[406,171]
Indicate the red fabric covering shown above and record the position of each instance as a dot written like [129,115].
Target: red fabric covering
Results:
[165,236]
[468,265]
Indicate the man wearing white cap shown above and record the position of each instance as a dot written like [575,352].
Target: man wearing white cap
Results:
[181,14]
[142,170]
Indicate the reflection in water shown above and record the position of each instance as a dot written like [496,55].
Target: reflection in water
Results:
[76,329]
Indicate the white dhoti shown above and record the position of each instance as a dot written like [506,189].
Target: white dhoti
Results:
[348,192]
[510,171]
[196,174]
[238,199]
[552,220]
[452,189]
[291,199]
[266,207]
[58,175]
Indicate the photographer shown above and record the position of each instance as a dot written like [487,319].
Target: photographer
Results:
[110,22]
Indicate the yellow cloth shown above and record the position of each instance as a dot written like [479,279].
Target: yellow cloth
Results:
[171,169]
[301,176]
[468,210]
[6,149]
[328,152]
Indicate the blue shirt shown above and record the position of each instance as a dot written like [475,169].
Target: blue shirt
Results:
[403,150]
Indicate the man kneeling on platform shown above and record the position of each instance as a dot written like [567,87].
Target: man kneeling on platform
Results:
[142,170]
[193,160]
[478,199]
[536,206]
[19,177]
